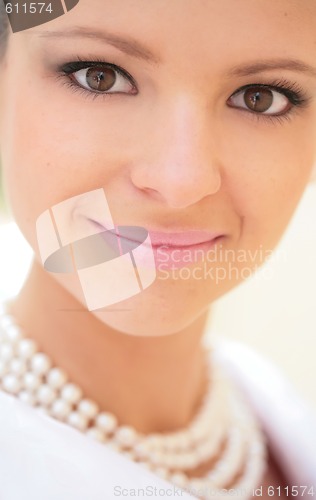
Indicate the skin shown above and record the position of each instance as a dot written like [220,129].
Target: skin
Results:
[193,161]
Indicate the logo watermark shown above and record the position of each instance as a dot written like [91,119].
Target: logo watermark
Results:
[78,235]
[23,14]
[217,264]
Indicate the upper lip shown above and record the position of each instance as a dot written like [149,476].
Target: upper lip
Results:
[176,238]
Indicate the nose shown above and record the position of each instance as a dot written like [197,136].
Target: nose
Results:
[181,167]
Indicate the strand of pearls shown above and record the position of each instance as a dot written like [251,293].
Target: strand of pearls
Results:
[222,418]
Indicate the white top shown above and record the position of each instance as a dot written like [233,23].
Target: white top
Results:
[41,457]
[287,420]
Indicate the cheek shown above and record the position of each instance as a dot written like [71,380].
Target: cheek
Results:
[47,157]
[268,178]
[58,145]
[30,179]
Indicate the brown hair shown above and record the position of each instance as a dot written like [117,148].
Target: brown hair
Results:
[4,29]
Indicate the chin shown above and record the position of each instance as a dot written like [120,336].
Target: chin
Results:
[150,316]
[164,308]
[141,323]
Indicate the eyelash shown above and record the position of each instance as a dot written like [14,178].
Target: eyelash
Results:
[294,93]
[291,90]
[66,70]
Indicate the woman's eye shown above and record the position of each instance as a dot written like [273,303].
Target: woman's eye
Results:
[261,100]
[102,79]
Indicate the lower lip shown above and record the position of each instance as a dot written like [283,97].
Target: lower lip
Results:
[172,257]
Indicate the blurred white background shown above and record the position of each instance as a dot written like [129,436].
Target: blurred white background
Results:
[274,311]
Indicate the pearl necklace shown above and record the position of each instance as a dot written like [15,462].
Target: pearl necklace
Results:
[223,417]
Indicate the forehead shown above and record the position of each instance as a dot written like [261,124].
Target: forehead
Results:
[196,28]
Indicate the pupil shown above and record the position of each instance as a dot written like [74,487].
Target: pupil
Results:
[101,79]
[258,99]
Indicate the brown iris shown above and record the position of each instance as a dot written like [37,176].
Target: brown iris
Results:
[258,99]
[101,78]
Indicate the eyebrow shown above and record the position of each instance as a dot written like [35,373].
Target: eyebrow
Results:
[133,48]
[272,64]
[126,44]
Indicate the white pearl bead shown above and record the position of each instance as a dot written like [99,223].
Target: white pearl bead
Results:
[27,398]
[162,472]
[146,465]
[26,348]
[176,461]
[71,393]
[179,479]
[170,442]
[193,459]
[6,352]
[60,409]
[3,308]
[106,422]
[3,336]
[56,378]
[199,431]
[40,363]
[257,448]
[154,441]
[77,420]
[214,441]
[182,441]
[45,395]
[142,449]
[157,457]
[126,436]
[202,452]
[17,366]
[129,454]
[11,383]
[13,333]
[42,410]
[3,368]
[197,486]
[96,434]
[173,461]
[6,320]
[114,446]
[189,461]
[88,408]
[31,381]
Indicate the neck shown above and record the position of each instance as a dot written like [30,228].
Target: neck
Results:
[154,384]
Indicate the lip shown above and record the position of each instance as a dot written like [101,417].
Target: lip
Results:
[183,239]
[176,257]
[173,249]
[176,239]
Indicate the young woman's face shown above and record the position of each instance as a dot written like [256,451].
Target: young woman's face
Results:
[216,130]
